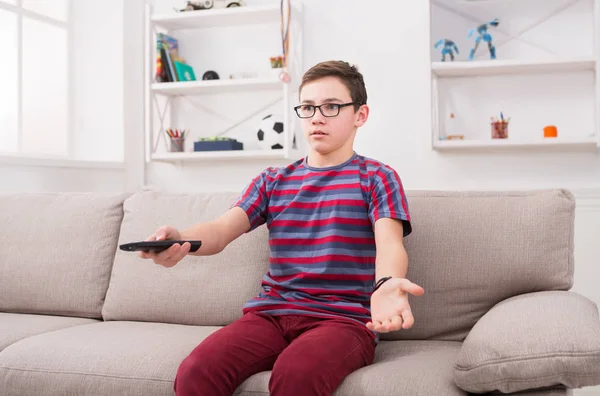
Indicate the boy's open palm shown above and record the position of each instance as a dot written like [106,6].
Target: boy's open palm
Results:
[171,256]
[390,310]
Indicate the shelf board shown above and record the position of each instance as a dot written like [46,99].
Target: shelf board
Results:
[219,17]
[497,67]
[443,145]
[216,86]
[194,156]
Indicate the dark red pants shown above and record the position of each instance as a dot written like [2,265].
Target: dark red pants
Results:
[308,356]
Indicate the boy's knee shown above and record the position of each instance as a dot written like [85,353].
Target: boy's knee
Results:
[189,371]
[194,374]
[298,374]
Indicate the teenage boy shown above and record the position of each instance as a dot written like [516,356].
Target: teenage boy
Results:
[338,265]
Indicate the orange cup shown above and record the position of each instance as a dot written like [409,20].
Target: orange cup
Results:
[550,131]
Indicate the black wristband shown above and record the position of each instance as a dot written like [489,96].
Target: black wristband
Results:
[381,282]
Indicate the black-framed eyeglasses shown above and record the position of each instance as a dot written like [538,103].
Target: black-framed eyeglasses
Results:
[327,109]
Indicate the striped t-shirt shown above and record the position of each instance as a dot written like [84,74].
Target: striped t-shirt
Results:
[321,234]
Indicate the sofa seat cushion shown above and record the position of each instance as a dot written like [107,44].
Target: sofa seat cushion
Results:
[107,358]
[415,368]
[549,391]
[141,358]
[15,327]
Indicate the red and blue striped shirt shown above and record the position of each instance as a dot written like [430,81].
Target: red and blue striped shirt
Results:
[321,234]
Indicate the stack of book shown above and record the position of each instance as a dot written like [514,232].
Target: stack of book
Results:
[170,66]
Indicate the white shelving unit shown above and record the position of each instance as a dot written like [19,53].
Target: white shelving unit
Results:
[234,17]
[215,86]
[455,145]
[195,156]
[506,67]
[443,74]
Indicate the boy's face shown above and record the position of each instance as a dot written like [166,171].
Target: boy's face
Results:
[329,134]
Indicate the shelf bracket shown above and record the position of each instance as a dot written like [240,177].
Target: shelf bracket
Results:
[161,116]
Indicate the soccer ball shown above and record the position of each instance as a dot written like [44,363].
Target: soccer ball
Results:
[270,133]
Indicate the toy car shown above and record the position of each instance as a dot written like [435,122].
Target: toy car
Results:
[208,4]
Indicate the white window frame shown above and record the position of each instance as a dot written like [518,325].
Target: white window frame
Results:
[25,159]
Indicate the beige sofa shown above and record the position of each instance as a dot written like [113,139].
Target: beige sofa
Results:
[80,317]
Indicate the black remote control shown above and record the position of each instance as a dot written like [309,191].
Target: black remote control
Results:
[157,246]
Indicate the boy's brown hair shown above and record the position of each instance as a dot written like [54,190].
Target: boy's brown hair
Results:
[348,75]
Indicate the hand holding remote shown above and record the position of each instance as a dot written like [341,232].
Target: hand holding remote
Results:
[167,258]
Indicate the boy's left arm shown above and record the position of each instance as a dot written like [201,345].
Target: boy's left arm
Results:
[390,309]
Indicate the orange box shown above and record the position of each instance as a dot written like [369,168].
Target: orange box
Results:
[550,131]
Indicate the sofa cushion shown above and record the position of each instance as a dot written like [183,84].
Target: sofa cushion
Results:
[531,341]
[109,358]
[15,327]
[208,290]
[136,358]
[471,250]
[551,391]
[416,368]
[57,251]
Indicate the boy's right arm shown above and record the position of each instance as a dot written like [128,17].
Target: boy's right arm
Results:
[215,236]
[218,233]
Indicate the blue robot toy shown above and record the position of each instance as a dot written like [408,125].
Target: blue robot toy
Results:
[448,49]
[482,31]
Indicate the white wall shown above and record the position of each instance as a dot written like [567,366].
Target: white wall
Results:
[97,76]
[26,178]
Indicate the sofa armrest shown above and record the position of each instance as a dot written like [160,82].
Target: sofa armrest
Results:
[532,341]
